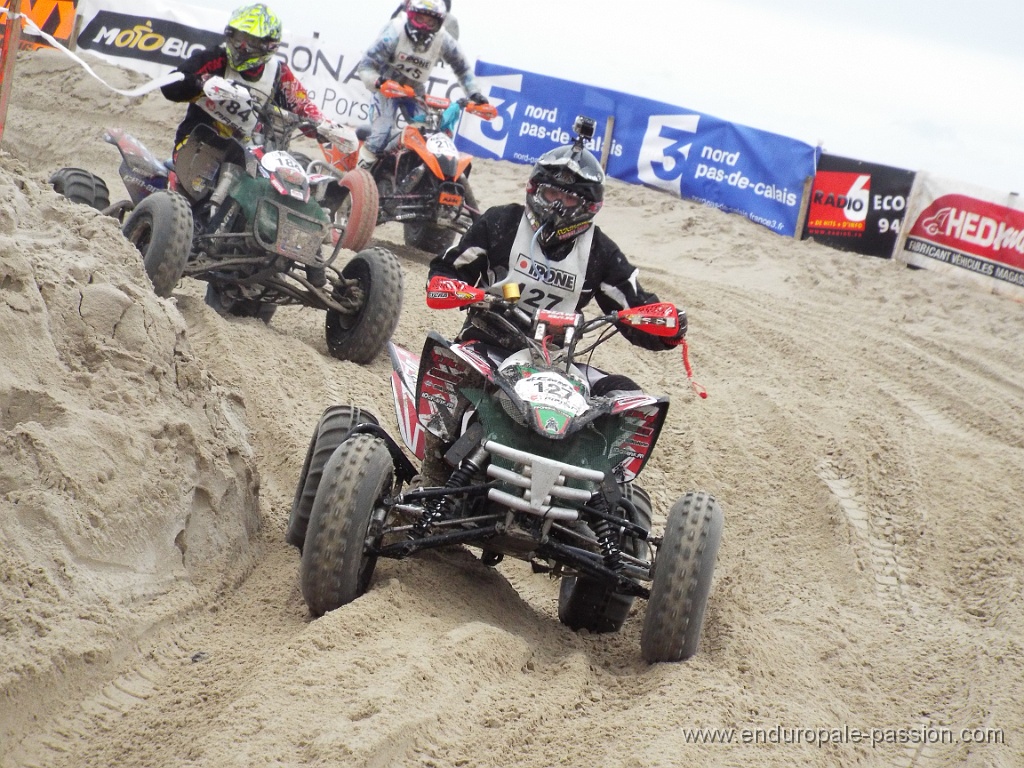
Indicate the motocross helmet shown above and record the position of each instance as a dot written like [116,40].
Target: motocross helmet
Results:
[252,35]
[423,20]
[564,193]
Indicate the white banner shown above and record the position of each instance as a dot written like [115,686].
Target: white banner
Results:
[155,37]
[965,230]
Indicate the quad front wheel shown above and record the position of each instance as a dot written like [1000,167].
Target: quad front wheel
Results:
[354,209]
[585,603]
[682,579]
[336,566]
[330,432]
[161,228]
[372,286]
[429,237]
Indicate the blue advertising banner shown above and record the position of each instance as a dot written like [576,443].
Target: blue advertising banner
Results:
[742,170]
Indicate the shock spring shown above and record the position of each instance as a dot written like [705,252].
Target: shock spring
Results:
[609,546]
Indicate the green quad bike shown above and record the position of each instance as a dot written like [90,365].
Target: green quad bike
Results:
[247,218]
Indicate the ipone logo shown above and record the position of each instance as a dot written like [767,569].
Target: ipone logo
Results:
[545,274]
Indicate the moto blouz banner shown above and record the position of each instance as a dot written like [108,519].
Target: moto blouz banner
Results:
[152,37]
[857,206]
[156,36]
[695,156]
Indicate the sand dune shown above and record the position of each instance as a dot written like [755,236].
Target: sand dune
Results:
[864,433]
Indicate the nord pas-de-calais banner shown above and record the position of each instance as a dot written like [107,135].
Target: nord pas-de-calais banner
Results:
[695,156]
[967,230]
[156,36]
[857,206]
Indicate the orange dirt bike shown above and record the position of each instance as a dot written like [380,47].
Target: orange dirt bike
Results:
[422,178]
[542,465]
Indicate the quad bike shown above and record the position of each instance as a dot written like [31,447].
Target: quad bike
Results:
[422,179]
[243,215]
[542,466]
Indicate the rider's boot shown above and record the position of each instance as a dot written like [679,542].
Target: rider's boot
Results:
[367,158]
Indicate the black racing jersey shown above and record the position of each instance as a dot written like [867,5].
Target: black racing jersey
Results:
[288,92]
[482,257]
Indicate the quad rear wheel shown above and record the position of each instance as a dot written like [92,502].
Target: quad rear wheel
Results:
[80,186]
[585,603]
[354,210]
[218,297]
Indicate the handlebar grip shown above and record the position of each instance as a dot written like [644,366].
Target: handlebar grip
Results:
[392,90]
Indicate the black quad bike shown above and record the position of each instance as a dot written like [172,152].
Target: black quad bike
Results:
[242,214]
[541,466]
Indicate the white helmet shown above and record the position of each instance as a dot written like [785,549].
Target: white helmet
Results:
[424,19]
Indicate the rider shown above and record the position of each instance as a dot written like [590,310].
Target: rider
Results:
[252,35]
[556,254]
[405,52]
[555,243]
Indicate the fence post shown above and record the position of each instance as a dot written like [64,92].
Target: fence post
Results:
[609,128]
[12,32]
[805,204]
[73,42]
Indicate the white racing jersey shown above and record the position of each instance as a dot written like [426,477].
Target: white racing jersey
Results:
[546,284]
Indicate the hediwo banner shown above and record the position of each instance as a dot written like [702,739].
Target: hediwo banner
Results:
[699,157]
[857,206]
[968,230]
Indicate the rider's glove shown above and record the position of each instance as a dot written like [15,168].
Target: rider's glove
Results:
[478,98]
[380,81]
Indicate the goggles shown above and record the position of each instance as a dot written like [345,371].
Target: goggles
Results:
[551,194]
[427,22]
[244,44]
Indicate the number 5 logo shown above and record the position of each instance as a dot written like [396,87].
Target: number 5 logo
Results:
[665,150]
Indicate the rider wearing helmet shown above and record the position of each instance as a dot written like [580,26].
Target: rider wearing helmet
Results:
[559,258]
[406,51]
[450,22]
[552,248]
[251,37]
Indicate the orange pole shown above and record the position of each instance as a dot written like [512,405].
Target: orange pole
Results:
[8,56]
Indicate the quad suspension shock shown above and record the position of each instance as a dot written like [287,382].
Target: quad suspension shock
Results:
[436,509]
[606,537]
